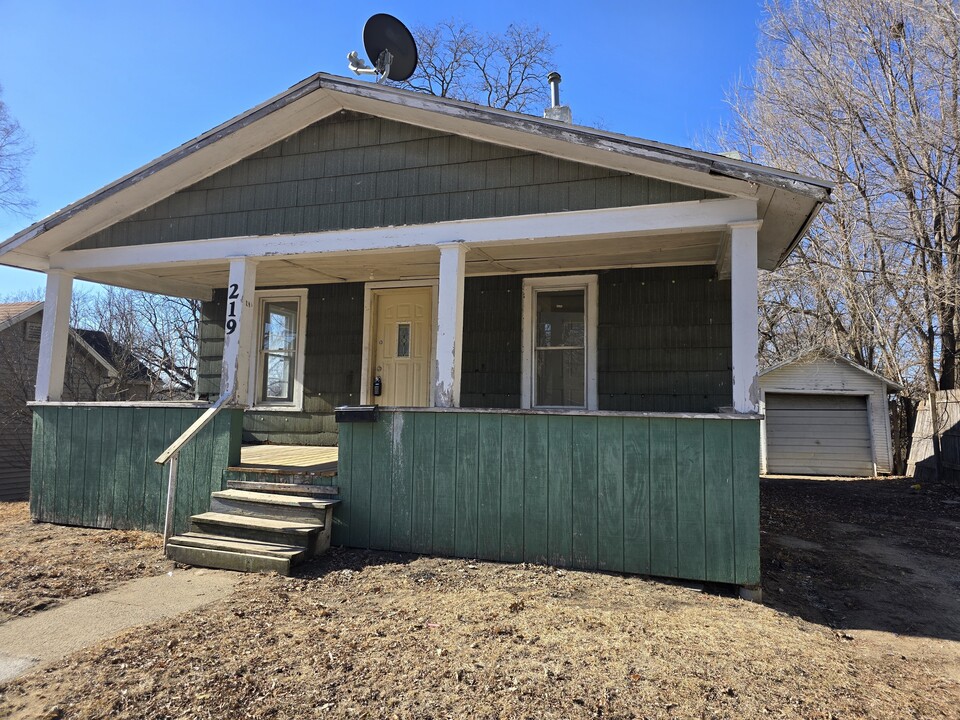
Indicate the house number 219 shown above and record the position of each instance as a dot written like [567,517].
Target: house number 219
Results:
[232,298]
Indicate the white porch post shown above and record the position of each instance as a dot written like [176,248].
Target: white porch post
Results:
[239,330]
[54,336]
[449,341]
[743,311]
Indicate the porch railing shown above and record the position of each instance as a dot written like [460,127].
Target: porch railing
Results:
[172,456]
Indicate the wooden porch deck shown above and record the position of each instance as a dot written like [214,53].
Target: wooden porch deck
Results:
[296,458]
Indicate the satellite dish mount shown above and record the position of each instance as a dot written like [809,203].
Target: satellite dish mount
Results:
[390,47]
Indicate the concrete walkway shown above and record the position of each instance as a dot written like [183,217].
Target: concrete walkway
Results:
[44,638]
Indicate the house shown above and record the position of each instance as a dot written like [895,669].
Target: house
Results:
[89,375]
[558,324]
[825,415]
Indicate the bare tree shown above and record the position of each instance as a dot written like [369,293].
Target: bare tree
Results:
[153,339]
[866,93]
[505,70]
[15,150]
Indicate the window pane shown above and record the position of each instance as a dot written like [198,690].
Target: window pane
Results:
[560,378]
[280,326]
[403,340]
[278,377]
[278,351]
[560,318]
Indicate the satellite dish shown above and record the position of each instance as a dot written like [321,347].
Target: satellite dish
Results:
[390,47]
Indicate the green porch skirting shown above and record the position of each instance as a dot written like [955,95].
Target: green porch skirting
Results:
[655,495]
[94,465]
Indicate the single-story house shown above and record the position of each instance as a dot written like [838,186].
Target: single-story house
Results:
[558,324]
[90,375]
[825,415]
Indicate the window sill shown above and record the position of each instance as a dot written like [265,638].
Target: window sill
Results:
[276,408]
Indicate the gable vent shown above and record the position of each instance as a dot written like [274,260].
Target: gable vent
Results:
[31,331]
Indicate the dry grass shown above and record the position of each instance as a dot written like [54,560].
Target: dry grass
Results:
[42,564]
[372,635]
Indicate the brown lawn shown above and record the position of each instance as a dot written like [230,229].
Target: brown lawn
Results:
[861,582]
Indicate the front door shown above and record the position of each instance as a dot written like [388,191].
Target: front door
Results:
[402,346]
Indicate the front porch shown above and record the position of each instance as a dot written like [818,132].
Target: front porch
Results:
[306,459]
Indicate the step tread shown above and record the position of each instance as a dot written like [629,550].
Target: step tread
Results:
[228,559]
[220,542]
[301,501]
[283,488]
[265,470]
[286,526]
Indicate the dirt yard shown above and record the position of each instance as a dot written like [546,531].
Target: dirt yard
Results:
[42,565]
[861,619]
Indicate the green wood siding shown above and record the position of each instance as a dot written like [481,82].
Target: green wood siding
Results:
[94,466]
[664,340]
[355,171]
[666,496]
[492,323]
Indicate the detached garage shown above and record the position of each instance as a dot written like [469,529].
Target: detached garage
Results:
[825,415]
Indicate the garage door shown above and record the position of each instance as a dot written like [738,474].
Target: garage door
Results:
[818,435]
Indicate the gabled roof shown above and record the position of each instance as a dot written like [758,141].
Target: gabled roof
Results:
[824,354]
[100,343]
[12,313]
[787,202]
[94,342]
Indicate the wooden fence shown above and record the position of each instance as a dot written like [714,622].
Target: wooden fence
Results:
[93,465]
[669,496]
[921,464]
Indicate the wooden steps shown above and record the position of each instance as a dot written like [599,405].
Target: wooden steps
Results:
[251,531]
[284,488]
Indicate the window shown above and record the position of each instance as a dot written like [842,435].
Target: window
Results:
[281,327]
[559,343]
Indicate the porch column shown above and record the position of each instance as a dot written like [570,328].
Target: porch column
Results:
[239,332]
[448,345]
[743,314]
[54,336]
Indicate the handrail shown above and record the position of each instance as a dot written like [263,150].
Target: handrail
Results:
[172,455]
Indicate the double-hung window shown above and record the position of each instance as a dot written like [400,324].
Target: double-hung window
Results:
[559,343]
[281,338]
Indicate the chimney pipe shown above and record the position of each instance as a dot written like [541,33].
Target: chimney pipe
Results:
[554,79]
[556,111]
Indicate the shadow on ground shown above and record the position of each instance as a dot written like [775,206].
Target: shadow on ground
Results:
[863,554]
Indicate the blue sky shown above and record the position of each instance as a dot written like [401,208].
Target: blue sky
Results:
[103,87]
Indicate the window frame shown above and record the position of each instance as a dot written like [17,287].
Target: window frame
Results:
[533,285]
[258,403]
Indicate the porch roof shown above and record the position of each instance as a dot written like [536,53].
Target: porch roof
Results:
[786,202]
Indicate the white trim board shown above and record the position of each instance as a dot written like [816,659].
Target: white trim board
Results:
[626,222]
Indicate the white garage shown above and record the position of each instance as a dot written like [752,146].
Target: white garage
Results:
[825,415]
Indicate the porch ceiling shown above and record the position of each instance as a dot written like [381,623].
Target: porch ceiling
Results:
[199,280]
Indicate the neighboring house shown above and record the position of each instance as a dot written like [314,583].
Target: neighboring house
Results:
[558,323]
[825,415]
[89,376]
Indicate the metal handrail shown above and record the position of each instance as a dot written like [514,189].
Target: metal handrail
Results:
[172,455]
